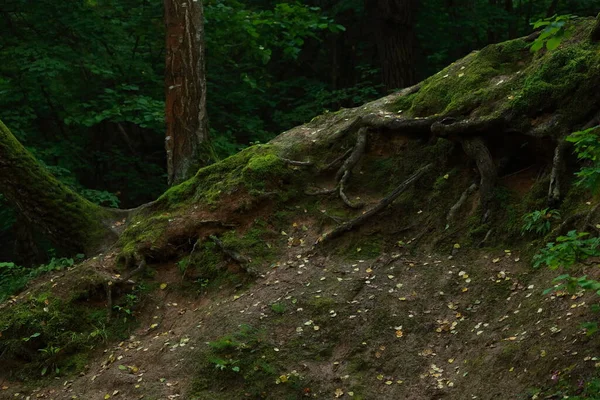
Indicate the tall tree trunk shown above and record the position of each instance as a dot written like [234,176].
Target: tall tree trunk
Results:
[71,222]
[394,24]
[187,141]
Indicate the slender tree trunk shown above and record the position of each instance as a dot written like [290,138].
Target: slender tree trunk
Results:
[394,24]
[71,222]
[187,141]
[552,9]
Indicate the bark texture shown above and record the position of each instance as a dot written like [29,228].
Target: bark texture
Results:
[394,24]
[187,140]
[72,223]
[595,35]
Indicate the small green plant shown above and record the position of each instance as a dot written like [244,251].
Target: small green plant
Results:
[556,28]
[587,148]
[539,221]
[278,308]
[567,250]
[50,354]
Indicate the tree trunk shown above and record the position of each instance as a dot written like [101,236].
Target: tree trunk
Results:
[595,35]
[71,222]
[394,22]
[187,141]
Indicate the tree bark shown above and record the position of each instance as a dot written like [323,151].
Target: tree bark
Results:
[394,24]
[595,35]
[187,140]
[71,222]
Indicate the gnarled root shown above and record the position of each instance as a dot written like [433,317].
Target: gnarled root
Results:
[558,163]
[377,208]
[242,260]
[476,149]
[454,209]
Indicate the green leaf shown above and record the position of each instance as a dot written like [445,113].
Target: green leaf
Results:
[553,42]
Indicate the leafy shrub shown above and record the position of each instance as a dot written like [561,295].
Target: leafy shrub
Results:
[556,29]
[567,250]
[539,221]
[587,148]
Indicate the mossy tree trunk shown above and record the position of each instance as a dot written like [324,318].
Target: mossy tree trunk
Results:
[71,222]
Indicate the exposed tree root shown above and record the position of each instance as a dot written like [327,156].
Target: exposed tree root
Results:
[590,215]
[344,173]
[338,160]
[479,126]
[558,165]
[242,260]
[116,281]
[377,208]
[296,163]
[485,238]
[454,209]
[355,156]
[345,198]
[476,149]
[412,126]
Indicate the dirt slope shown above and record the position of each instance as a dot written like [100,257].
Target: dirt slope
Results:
[399,326]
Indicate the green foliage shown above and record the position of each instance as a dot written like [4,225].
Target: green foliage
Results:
[556,29]
[14,278]
[567,250]
[247,359]
[587,148]
[278,308]
[539,221]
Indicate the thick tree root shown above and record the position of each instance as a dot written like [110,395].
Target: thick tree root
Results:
[476,149]
[344,173]
[337,160]
[296,163]
[558,165]
[454,209]
[479,126]
[377,208]
[242,260]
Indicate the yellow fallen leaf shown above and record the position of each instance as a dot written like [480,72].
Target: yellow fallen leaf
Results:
[339,392]
[106,396]
[163,286]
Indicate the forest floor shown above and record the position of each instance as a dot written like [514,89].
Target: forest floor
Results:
[397,326]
